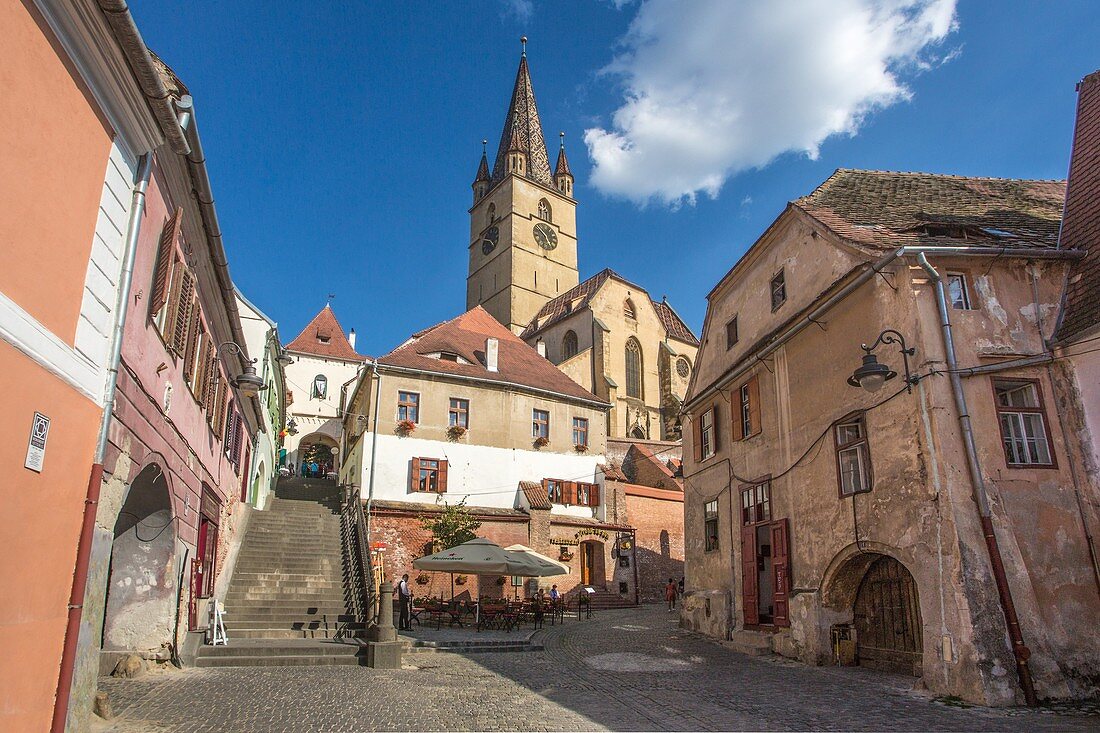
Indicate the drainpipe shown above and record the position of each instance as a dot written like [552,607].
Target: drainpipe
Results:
[981,498]
[95,480]
[373,443]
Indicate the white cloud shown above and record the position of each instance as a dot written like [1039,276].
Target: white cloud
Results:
[715,87]
[521,9]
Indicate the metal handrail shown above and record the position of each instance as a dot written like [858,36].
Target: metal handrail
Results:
[358,553]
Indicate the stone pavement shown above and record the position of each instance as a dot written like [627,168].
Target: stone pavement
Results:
[622,670]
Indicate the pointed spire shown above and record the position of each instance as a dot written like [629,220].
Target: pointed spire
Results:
[562,168]
[483,167]
[522,129]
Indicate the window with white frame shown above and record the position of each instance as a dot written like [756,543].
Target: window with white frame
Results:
[706,428]
[957,293]
[1023,423]
[710,526]
[540,424]
[853,459]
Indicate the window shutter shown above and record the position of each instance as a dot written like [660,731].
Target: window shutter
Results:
[192,343]
[168,239]
[781,571]
[735,417]
[244,474]
[754,406]
[441,481]
[167,326]
[219,402]
[238,434]
[749,594]
[570,492]
[697,437]
[594,495]
[210,386]
[414,476]
[717,423]
[184,299]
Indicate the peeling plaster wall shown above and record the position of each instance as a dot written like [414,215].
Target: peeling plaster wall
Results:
[920,510]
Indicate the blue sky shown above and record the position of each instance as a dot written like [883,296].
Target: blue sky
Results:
[342,138]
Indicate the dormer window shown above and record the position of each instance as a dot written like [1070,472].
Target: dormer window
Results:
[324,336]
[448,356]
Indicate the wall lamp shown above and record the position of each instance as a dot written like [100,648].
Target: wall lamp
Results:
[871,375]
[248,382]
[284,357]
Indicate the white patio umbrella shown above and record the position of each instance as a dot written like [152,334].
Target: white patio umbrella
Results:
[547,564]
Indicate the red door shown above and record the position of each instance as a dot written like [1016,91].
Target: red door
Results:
[749,593]
[781,571]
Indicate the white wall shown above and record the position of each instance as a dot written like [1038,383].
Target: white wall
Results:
[485,476]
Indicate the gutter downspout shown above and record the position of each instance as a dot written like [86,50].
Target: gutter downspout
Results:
[95,480]
[373,443]
[981,498]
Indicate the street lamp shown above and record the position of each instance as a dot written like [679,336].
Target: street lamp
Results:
[284,357]
[248,383]
[871,375]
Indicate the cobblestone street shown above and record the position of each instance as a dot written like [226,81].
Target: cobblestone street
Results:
[622,670]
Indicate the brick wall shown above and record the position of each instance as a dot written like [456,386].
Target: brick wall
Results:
[660,543]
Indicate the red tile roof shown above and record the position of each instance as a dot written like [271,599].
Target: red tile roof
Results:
[883,210]
[324,337]
[581,296]
[465,336]
[536,495]
[1081,228]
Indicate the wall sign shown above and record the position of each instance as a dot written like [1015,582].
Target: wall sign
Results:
[36,447]
[591,533]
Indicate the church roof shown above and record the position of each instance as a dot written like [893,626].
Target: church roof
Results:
[324,337]
[562,168]
[523,131]
[464,337]
[580,297]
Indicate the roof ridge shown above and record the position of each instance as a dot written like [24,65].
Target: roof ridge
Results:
[927,174]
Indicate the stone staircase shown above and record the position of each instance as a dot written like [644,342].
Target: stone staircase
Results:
[601,600]
[288,597]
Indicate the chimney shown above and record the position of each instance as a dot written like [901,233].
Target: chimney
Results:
[541,346]
[491,346]
[351,338]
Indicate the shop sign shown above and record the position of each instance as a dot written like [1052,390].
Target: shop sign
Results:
[591,533]
[36,446]
[567,543]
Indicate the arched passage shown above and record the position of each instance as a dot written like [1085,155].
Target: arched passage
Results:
[142,583]
[317,447]
[879,596]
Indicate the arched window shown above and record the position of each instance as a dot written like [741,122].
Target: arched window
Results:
[320,387]
[569,345]
[491,216]
[629,310]
[633,368]
[544,210]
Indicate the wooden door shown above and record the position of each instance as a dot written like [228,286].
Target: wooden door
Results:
[750,602]
[588,563]
[887,619]
[781,570]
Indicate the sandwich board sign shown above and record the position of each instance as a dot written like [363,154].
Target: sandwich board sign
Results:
[36,446]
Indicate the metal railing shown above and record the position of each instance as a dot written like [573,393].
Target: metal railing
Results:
[357,560]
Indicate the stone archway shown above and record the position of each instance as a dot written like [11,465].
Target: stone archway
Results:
[142,582]
[316,446]
[876,595]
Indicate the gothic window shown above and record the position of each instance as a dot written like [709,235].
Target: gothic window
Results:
[633,368]
[491,216]
[320,387]
[629,310]
[569,345]
[544,210]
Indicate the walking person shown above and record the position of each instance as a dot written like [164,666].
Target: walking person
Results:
[404,597]
[671,591]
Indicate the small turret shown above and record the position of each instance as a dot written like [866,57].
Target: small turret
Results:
[517,156]
[481,181]
[563,177]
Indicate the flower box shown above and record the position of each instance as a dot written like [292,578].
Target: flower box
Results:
[542,441]
[404,427]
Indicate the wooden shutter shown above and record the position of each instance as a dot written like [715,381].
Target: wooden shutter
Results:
[192,344]
[168,238]
[211,385]
[184,299]
[594,495]
[754,407]
[570,491]
[219,402]
[781,571]
[749,594]
[244,473]
[414,476]
[441,480]
[697,437]
[717,423]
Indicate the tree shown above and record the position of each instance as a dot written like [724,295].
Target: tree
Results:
[451,527]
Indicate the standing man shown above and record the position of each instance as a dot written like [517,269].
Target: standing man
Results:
[404,597]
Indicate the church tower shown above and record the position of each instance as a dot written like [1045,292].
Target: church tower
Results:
[523,232]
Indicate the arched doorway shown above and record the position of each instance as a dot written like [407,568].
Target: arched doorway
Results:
[142,582]
[592,564]
[887,618]
[317,448]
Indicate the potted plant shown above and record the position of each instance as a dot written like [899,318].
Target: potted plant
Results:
[423,579]
[404,427]
[501,580]
[581,447]
[565,554]
[460,580]
[455,432]
[542,441]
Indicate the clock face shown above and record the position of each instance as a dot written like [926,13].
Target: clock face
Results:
[546,237]
[489,241]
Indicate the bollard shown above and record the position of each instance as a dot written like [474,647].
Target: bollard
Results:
[384,629]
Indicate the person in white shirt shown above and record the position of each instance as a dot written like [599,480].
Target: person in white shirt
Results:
[404,597]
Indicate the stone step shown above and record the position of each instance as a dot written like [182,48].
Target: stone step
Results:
[280,661]
[281,633]
[276,580]
[751,643]
[472,647]
[289,599]
[290,594]
[285,648]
